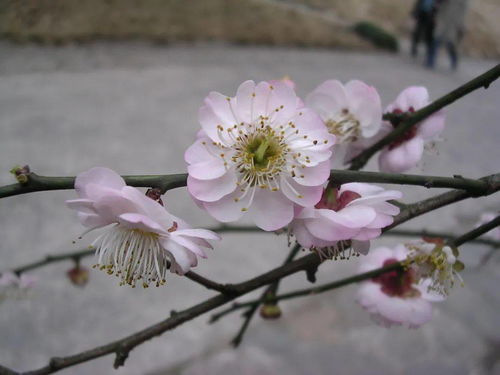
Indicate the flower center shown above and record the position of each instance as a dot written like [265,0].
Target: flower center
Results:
[331,199]
[132,255]
[397,283]
[346,128]
[260,157]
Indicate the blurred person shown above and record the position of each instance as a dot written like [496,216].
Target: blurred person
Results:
[449,30]
[423,13]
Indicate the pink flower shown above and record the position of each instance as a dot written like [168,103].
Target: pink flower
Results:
[142,237]
[397,297]
[352,112]
[259,155]
[404,153]
[354,212]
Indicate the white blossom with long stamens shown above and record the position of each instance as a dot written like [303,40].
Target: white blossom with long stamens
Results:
[260,153]
[142,240]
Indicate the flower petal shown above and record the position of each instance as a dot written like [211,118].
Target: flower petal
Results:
[403,157]
[271,210]
[212,190]
[364,103]
[98,176]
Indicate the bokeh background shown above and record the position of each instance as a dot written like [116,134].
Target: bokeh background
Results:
[118,84]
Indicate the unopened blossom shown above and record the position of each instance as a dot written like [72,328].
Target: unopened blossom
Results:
[78,275]
[398,297]
[355,211]
[406,151]
[260,154]
[14,286]
[352,112]
[486,217]
[432,259]
[142,239]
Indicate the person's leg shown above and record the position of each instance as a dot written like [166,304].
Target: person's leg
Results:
[429,36]
[452,52]
[433,51]
[417,34]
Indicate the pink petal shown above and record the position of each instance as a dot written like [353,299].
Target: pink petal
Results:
[335,90]
[351,216]
[201,233]
[188,244]
[366,234]
[365,104]
[432,126]
[413,96]
[100,176]
[148,206]
[307,120]
[324,105]
[271,210]
[403,157]
[226,209]
[212,190]
[81,205]
[209,169]
[111,206]
[92,220]
[261,100]
[244,101]
[313,176]
[201,150]
[305,196]
[141,222]
[328,230]
[182,259]
[381,221]
[221,105]
[282,103]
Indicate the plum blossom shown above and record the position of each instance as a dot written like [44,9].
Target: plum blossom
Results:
[352,112]
[260,154]
[486,217]
[14,286]
[398,297]
[142,239]
[355,211]
[404,153]
[433,260]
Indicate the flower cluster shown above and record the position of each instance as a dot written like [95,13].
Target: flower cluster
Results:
[265,154]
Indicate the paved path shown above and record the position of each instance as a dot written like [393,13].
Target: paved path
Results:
[132,107]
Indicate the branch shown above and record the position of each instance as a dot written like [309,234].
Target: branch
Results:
[444,235]
[170,181]
[270,291]
[76,255]
[123,346]
[458,241]
[404,123]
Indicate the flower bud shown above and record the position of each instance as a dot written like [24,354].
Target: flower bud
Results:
[21,173]
[78,275]
[270,311]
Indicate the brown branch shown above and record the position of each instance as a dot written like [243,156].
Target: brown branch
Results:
[404,123]
[123,346]
[36,183]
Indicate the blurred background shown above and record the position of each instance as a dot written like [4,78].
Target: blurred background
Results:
[119,83]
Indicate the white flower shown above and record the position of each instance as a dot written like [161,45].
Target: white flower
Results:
[259,155]
[142,239]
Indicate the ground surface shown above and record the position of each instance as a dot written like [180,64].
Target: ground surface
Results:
[133,107]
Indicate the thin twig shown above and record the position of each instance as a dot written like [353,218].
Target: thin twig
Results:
[126,344]
[458,241]
[269,291]
[443,235]
[406,122]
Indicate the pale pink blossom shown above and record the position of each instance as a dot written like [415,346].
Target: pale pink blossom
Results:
[404,153]
[397,297]
[259,155]
[486,217]
[14,286]
[142,238]
[352,112]
[355,211]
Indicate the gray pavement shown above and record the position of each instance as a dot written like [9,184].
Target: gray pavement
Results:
[133,107]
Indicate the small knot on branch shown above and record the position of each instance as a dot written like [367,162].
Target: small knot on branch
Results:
[55,363]
[121,356]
